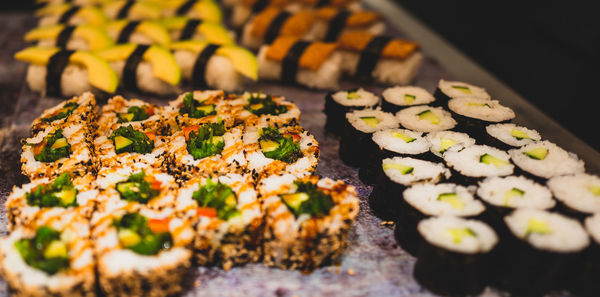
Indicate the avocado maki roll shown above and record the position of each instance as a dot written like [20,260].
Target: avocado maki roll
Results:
[145,32]
[399,97]
[476,162]
[508,136]
[272,23]
[474,114]
[229,226]
[306,220]
[276,150]
[425,118]
[443,141]
[199,107]
[141,252]
[79,109]
[184,28]
[131,10]
[138,113]
[51,257]
[447,90]
[544,160]
[82,37]
[337,104]
[70,14]
[260,108]
[578,193]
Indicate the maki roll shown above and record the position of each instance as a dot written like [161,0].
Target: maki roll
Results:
[544,159]
[44,198]
[339,103]
[199,107]
[382,59]
[184,28]
[144,68]
[272,23]
[586,283]
[131,10]
[82,37]
[79,109]
[447,90]
[208,65]
[456,255]
[138,32]
[207,10]
[141,252]
[443,141]
[284,149]
[357,133]
[260,108]
[57,73]
[229,226]
[578,193]
[474,114]
[508,136]
[202,150]
[70,14]
[425,118]
[398,97]
[306,220]
[138,113]
[330,23]
[52,257]
[290,60]
[476,162]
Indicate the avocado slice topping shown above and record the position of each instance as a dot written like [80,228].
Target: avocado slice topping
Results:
[409,99]
[268,145]
[56,249]
[67,196]
[395,166]
[463,89]
[122,142]
[452,199]
[59,143]
[537,226]
[446,143]
[519,135]
[491,160]
[539,153]
[404,137]
[514,192]
[295,200]
[128,238]
[458,234]
[370,121]
[430,116]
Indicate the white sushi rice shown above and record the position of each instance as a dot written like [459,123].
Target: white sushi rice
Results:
[467,161]
[580,191]
[557,161]
[563,234]
[592,225]
[481,109]
[456,140]
[504,133]
[449,88]
[387,70]
[365,98]
[425,198]
[422,171]
[385,120]
[497,191]
[73,82]
[409,118]
[397,95]
[437,231]
[146,81]
[392,140]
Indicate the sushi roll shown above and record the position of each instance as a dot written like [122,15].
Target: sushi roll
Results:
[544,160]
[474,114]
[379,58]
[290,60]
[52,257]
[260,108]
[131,10]
[477,162]
[398,97]
[206,149]
[357,133]
[456,255]
[508,136]
[208,65]
[285,149]
[397,174]
[82,37]
[207,10]
[577,193]
[184,28]
[199,107]
[141,252]
[144,68]
[272,23]
[44,198]
[425,118]
[330,23]
[229,226]
[447,90]
[306,220]
[138,113]
[146,32]
[59,149]
[70,14]
[337,104]
[65,73]
[443,141]
[586,282]
[79,109]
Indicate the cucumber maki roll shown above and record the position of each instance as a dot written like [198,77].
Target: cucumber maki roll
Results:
[425,118]
[578,193]
[272,23]
[398,97]
[331,22]
[447,90]
[79,109]
[276,150]
[306,220]
[51,257]
[477,162]
[229,226]
[261,108]
[337,104]
[474,114]
[443,141]
[508,136]
[184,28]
[138,113]
[82,37]
[544,160]
[131,10]
[138,32]
[199,107]
[44,198]
[141,252]
[70,14]
[199,9]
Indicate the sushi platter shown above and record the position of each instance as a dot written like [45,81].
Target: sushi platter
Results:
[324,154]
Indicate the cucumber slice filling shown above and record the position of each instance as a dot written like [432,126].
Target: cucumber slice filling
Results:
[206,141]
[196,109]
[218,196]
[276,146]
[135,234]
[60,193]
[307,199]
[261,106]
[133,114]
[138,188]
[129,140]
[45,251]
[54,147]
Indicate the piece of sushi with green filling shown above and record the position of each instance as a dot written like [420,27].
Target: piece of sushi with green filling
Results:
[443,199]
[479,161]
[199,107]
[399,97]
[545,159]
[515,192]
[307,220]
[141,252]
[78,109]
[425,118]
[51,257]
[579,192]
[229,222]
[507,136]
[447,90]
[138,113]
[276,150]
[443,141]
[260,108]
[337,104]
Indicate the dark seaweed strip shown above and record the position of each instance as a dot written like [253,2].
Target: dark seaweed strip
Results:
[370,56]
[54,70]
[126,32]
[185,7]
[124,12]
[275,26]
[67,15]
[289,65]
[189,29]
[336,25]
[260,5]
[130,69]
[322,3]
[199,72]
[64,36]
